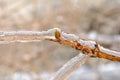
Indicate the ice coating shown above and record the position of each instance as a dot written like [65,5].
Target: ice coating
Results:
[72,37]
[69,36]
[110,52]
[26,36]
[75,62]
[51,31]
[30,36]
[37,33]
[91,44]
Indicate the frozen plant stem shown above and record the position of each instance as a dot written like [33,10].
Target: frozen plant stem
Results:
[25,36]
[69,67]
[56,35]
[90,48]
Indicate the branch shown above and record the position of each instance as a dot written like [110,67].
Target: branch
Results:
[56,35]
[69,67]
[25,36]
[88,48]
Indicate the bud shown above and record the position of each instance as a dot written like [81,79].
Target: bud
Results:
[57,34]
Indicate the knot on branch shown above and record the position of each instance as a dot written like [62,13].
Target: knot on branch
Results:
[95,51]
[86,50]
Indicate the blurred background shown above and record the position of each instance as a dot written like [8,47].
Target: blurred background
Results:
[97,20]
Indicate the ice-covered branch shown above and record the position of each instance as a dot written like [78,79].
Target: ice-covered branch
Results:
[56,35]
[25,36]
[69,67]
[87,47]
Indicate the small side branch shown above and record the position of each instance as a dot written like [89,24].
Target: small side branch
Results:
[69,67]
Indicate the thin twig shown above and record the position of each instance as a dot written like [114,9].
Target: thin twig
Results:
[57,35]
[69,67]
[90,48]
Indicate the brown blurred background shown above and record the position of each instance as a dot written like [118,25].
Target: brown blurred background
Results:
[40,60]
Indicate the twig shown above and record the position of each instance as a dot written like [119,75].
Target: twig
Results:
[88,48]
[56,35]
[69,67]
[25,36]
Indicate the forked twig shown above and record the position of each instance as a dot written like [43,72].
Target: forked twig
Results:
[90,48]
[56,35]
